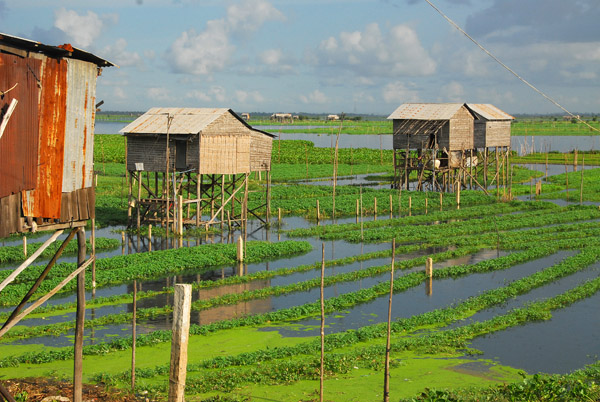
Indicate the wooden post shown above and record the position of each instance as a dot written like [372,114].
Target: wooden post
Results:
[150,232]
[279,215]
[375,206]
[25,246]
[426,202]
[318,211]
[93,241]
[180,216]
[240,249]
[139,197]
[182,303]
[566,178]
[409,205]
[133,335]
[458,195]
[575,161]
[321,373]
[79,320]
[386,381]
[357,208]
[429,267]
[441,200]
[391,207]
[581,184]
[361,215]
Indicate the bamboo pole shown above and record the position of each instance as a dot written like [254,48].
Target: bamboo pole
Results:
[133,334]
[318,212]
[321,372]
[386,381]
[25,246]
[566,178]
[581,183]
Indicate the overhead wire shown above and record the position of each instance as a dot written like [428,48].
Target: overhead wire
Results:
[455,25]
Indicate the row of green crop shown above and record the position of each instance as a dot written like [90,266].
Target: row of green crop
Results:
[311,309]
[10,254]
[119,269]
[515,239]
[452,339]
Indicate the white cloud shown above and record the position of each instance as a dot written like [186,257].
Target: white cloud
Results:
[201,53]
[252,96]
[248,16]
[397,92]
[373,53]
[452,92]
[118,54]
[211,50]
[214,93]
[119,93]
[81,29]
[159,94]
[315,96]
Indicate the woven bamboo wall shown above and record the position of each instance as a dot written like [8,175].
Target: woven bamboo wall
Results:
[460,134]
[260,152]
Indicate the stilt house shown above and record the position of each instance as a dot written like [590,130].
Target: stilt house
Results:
[202,143]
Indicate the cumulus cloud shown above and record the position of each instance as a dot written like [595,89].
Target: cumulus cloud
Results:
[251,96]
[81,29]
[248,16]
[397,92]
[276,62]
[159,94]
[119,54]
[372,52]
[452,92]
[214,93]
[208,51]
[315,96]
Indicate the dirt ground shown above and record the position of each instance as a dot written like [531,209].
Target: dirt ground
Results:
[42,389]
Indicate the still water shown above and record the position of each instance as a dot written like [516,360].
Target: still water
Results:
[521,144]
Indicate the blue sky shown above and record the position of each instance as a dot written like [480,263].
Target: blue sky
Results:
[326,56]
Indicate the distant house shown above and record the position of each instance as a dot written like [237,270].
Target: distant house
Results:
[282,117]
[246,116]
[333,117]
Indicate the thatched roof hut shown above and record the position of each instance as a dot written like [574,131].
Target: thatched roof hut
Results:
[204,140]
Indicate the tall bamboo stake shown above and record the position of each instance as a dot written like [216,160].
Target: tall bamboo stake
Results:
[581,184]
[386,381]
[322,376]
[133,335]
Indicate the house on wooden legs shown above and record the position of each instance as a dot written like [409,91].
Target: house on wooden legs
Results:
[196,163]
[440,143]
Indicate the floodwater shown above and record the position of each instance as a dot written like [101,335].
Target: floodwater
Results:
[520,144]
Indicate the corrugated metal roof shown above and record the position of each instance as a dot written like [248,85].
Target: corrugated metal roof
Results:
[425,111]
[489,112]
[185,121]
[65,50]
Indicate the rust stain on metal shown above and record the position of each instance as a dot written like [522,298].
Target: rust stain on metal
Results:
[52,131]
[85,132]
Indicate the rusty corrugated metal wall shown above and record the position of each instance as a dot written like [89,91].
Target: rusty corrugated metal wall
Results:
[44,200]
[79,131]
[19,143]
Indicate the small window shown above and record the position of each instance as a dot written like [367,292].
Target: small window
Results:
[180,155]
